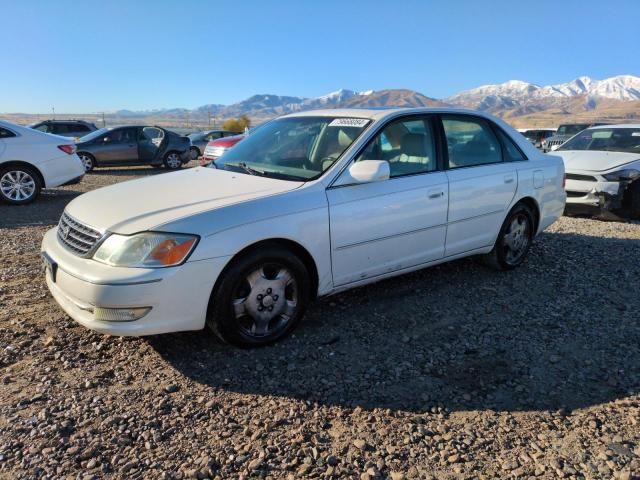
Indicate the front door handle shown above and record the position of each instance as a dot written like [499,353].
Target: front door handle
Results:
[509,178]
[436,194]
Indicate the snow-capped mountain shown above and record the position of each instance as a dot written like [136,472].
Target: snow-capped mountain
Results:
[514,98]
[516,93]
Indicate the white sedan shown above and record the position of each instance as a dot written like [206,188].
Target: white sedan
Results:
[31,160]
[309,205]
[603,170]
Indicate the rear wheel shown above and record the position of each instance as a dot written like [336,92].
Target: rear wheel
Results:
[634,200]
[260,299]
[514,240]
[88,162]
[19,185]
[172,161]
[194,153]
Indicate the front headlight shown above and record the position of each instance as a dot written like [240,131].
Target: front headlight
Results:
[626,174]
[146,250]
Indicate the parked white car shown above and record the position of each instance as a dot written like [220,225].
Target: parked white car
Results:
[603,170]
[31,160]
[310,204]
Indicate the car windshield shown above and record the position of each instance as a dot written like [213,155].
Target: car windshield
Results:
[571,129]
[92,135]
[606,140]
[295,148]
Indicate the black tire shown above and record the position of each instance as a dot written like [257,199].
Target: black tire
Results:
[88,161]
[172,161]
[241,329]
[194,153]
[634,200]
[28,179]
[511,248]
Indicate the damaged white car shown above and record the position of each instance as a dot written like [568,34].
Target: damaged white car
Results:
[602,167]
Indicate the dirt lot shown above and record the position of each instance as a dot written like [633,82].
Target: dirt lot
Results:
[453,372]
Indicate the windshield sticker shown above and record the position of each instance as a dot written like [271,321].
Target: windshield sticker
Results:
[349,122]
[602,134]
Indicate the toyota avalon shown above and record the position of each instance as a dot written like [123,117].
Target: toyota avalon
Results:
[310,204]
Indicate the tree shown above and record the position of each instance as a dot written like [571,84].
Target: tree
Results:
[237,124]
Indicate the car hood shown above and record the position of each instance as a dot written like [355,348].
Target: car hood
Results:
[594,161]
[148,203]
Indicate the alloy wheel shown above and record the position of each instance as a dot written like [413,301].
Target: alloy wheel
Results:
[87,162]
[266,300]
[173,161]
[517,238]
[18,185]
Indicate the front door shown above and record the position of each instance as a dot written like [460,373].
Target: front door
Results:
[385,226]
[150,144]
[118,146]
[481,183]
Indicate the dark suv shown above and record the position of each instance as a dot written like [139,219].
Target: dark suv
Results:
[66,128]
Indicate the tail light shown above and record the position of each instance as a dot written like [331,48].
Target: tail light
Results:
[68,149]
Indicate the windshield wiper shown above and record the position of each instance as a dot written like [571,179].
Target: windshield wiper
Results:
[248,169]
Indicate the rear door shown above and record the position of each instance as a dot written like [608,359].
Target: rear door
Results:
[481,184]
[151,140]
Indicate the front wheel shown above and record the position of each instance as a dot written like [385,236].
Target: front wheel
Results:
[514,240]
[194,153]
[172,161]
[19,185]
[260,298]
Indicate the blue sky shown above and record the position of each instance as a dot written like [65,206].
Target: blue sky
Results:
[91,56]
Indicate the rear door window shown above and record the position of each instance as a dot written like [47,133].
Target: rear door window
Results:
[470,141]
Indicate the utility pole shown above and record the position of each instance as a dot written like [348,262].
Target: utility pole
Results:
[53,112]
[209,117]
[104,123]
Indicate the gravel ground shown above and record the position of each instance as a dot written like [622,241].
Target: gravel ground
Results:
[452,372]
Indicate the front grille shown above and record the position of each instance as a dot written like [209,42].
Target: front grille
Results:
[75,236]
[582,178]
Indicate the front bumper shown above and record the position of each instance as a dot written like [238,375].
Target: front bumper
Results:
[597,198]
[178,296]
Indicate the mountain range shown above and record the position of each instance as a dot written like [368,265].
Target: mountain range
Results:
[523,104]
[511,100]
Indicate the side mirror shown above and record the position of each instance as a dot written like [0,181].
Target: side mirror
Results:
[365,171]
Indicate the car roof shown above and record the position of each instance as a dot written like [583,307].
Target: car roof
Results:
[618,125]
[380,113]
